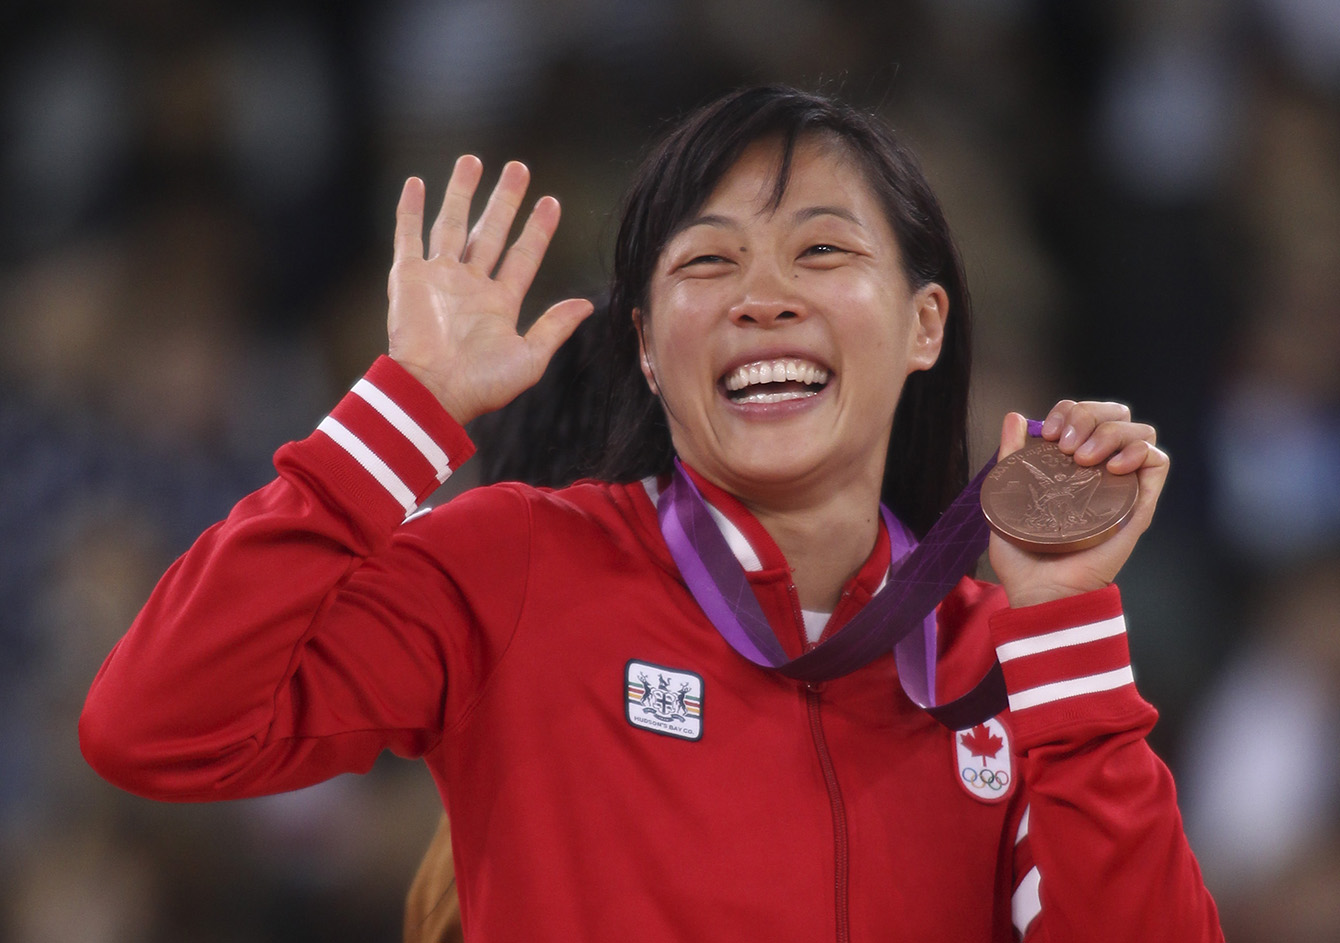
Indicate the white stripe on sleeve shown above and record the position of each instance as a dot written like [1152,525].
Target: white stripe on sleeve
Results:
[369,460]
[1026,903]
[1059,690]
[407,427]
[1064,638]
[1022,832]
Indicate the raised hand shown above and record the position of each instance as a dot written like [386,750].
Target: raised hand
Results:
[452,320]
[1092,433]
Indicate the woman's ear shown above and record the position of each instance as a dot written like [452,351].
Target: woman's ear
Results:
[930,310]
[643,355]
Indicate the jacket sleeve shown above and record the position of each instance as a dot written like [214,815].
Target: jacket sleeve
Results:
[1100,854]
[301,636]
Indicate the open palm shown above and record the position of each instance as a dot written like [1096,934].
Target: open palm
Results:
[452,320]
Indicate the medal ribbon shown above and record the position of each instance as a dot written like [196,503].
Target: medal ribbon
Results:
[921,574]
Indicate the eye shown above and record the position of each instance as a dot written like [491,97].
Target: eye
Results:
[704,265]
[824,255]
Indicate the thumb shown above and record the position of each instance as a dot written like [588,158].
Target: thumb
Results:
[1013,433]
[554,327]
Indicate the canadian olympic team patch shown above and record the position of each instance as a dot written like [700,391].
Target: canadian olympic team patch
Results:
[664,700]
[983,760]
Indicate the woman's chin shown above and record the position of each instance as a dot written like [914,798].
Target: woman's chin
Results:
[772,472]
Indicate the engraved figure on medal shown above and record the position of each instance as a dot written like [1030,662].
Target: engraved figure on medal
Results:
[1042,500]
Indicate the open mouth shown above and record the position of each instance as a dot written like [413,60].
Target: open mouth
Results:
[775,381]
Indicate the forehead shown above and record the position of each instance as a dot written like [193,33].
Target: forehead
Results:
[822,178]
[822,170]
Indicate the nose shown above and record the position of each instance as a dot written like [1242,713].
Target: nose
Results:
[766,300]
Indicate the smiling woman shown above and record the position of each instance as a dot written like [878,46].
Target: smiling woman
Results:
[603,678]
[927,456]
[807,275]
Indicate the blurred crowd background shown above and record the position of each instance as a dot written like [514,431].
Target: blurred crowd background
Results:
[196,202]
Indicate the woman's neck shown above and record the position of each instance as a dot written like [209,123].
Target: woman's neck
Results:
[825,543]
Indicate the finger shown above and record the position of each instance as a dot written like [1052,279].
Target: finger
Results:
[1153,470]
[489,235]
[1055,421]
[1121,444]
[1152,473]
[1079,420]
[523,259]
[1013,434]
[408,240]
[554,327]
[448,234]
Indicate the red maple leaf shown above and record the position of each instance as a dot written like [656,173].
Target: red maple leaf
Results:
[980,741]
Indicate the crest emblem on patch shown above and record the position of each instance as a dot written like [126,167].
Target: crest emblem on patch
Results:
[664,700]
[983,760]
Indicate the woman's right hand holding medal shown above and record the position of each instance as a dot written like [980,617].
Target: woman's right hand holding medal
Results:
[452,321]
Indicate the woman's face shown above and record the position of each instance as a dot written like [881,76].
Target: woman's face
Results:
[779,337]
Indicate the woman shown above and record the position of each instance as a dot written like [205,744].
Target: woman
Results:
[789,320]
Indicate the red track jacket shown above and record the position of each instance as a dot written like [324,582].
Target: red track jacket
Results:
[613,770]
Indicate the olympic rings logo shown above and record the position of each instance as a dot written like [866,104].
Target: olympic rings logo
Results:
[995,780]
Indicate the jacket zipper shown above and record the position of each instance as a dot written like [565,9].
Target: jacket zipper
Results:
[841,853]
[840,850]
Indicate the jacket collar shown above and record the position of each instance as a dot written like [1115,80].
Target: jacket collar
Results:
[763,560]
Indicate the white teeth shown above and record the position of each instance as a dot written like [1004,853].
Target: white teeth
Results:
[775,371]
[775,397]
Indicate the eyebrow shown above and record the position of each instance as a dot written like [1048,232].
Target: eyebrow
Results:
[718,221]
[710,219]
[841,212]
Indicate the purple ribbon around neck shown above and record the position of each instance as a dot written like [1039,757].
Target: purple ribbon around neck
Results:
[921,574]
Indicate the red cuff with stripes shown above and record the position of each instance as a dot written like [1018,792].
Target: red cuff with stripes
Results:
[402,443]
[1066,663]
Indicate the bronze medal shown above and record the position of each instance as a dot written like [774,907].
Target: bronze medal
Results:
[1040,499]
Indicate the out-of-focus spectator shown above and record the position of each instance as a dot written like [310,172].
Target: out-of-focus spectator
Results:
[1261,786]
[1259,776]
[1276,422]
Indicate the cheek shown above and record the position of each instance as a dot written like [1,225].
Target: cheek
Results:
[873,323]
[673,363]
[675,327]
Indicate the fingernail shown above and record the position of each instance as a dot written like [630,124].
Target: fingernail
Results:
[1050,425]
[1068,437]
